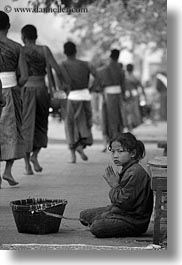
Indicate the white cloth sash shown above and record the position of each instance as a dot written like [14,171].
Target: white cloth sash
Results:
[162,78]
[82,94]
[8,79]
[112,89]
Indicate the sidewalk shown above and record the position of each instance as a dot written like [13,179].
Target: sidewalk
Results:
[149,133]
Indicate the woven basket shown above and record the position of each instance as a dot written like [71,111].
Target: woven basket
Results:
[30,217]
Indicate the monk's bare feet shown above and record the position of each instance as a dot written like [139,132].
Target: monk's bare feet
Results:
[36,164]
[73,157]
[79,149]
[10,180]
[28,170]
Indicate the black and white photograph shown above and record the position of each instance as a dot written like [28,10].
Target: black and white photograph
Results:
[83,126]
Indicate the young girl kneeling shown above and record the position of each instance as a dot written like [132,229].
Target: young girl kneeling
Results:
[131,195]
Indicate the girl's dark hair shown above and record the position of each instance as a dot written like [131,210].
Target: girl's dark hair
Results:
[69,48]
[130,143]
[4,20]
[29,32]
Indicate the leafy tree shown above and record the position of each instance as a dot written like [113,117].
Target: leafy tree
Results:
[141,20]
[108,22]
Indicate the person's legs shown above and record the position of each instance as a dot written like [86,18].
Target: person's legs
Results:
[114,116]
[79,149]
[7,173]
[28,168]
[88,216]
[108,227]
[104,124]
[41,125]
[73,155]
[70,129]
[34,160]
[84,125]
[136,112]
[28,95]
[88,113]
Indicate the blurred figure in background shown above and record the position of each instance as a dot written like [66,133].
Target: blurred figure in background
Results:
[161,86]
[132,94]
[150,111]
[35,97]
[113,86]
[2,104]
[13,75]
[78,121]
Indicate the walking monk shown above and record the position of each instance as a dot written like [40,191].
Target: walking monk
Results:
[13,75]
[79,112]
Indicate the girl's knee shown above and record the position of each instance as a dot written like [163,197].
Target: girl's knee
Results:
[85,218]
[84,214]
[109,228]
[97,229]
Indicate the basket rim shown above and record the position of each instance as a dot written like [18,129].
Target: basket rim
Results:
[36,202]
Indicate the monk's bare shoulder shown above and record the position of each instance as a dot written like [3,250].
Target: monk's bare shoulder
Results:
[14,44]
